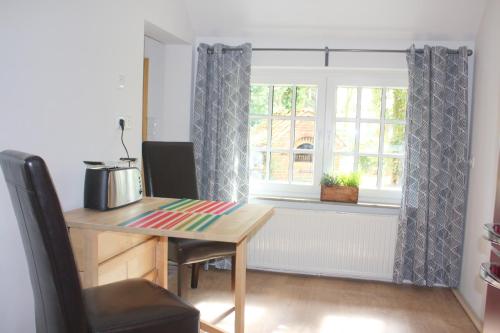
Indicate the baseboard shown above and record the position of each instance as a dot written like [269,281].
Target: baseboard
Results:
[475,319]
[343,274]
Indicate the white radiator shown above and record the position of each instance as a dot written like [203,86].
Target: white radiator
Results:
[326,243]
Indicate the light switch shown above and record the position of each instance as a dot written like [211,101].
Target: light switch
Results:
[121,81]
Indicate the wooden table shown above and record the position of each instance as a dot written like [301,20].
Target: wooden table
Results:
[237,227]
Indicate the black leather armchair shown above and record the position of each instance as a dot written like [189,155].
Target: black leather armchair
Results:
[60,304]
[169,172]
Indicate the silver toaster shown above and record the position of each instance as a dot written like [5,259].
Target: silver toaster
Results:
[111,187]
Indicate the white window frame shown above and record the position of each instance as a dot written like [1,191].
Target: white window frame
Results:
[363,78]
[275,76]
[327,80]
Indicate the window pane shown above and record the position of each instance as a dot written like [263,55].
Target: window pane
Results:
[280,134]
[279,167]
[346,102]
[395,108]
[259,99]
[343,164]
[371,103]
[282,100]
[303,168]
[258,133]
[392,172]
[345,135]
[369,135]
[394,139]
[306,101]
[258,165]
[304,134]
[367,168]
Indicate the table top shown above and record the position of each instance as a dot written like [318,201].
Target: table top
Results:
[232,227]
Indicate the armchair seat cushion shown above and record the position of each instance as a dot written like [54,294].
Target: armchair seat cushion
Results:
[192,251]
[138,305]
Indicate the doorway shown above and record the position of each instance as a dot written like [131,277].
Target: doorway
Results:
[153,102]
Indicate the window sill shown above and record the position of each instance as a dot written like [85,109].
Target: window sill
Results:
[318,205]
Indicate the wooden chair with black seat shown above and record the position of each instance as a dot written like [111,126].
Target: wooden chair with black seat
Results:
[169,172]
[61,306]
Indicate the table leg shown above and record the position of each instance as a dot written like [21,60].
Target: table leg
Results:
[240,286]
[209,328]
[90,261]
[162,262]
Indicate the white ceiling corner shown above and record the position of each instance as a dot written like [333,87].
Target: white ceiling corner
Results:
[453,20]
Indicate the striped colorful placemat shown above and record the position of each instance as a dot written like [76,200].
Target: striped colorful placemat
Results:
[183,215]
[202,206]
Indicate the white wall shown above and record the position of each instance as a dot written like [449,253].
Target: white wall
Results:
[170,67]
[59,65]
[484,150]
[178,80]
[389,19]
[170,19]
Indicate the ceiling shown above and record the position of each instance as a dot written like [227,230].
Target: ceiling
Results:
[441,20]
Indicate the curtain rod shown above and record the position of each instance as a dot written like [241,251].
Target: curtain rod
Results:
[327,50]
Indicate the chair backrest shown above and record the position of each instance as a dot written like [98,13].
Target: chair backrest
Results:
[169,169]
[54,277]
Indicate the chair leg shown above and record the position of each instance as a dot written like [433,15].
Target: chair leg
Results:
[233,271]
[195,273]
[180,278]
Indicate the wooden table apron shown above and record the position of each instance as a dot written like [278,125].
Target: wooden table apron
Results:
[236,227]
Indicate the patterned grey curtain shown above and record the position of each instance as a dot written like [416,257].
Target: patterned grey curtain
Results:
[220,122]
[431,226]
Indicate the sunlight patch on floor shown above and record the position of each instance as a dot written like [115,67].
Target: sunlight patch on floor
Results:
[211,310]
[352,324]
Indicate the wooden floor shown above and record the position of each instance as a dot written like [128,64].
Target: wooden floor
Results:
[279,303]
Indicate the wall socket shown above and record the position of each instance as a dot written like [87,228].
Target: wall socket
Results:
[128,122]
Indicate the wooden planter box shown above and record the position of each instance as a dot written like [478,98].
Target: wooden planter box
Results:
[339,193]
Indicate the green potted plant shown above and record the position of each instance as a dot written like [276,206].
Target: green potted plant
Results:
[340,188]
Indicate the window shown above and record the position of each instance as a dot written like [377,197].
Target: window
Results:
[302,126]
[369,131]
[282,133]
